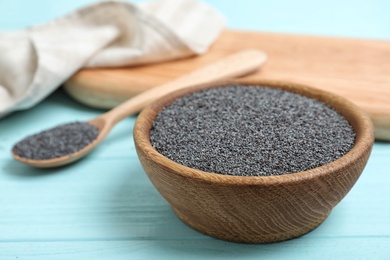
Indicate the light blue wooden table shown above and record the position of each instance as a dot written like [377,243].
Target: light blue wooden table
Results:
[104,207]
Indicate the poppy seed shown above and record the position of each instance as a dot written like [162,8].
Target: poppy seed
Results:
[250,131]
[56,142]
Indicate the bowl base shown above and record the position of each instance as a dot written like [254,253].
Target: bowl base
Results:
[251,238]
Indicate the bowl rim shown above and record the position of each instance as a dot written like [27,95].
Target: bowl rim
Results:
[363,128]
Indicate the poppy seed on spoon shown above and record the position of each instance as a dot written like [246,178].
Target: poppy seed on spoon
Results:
[56,142]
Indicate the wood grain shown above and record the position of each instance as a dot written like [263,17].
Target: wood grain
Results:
[104,206]
[356,69]
[255,209]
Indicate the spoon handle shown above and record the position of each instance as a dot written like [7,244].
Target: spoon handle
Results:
[238,64]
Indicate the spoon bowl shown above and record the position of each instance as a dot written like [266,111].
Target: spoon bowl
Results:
[261,209]
[235,65]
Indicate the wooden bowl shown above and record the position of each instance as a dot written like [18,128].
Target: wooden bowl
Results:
[261,209]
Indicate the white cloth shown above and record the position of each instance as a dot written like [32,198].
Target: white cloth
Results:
[34,62]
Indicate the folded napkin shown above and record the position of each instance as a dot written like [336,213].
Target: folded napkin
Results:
[35,61]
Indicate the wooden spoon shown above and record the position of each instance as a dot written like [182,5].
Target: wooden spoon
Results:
[235,65]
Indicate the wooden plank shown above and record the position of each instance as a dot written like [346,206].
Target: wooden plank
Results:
[111,198]
[322,248]
[108,196]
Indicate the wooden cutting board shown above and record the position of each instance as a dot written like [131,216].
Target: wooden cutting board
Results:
[356,69]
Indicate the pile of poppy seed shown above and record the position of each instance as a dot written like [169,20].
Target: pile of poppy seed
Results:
[250,131]
[56,142]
